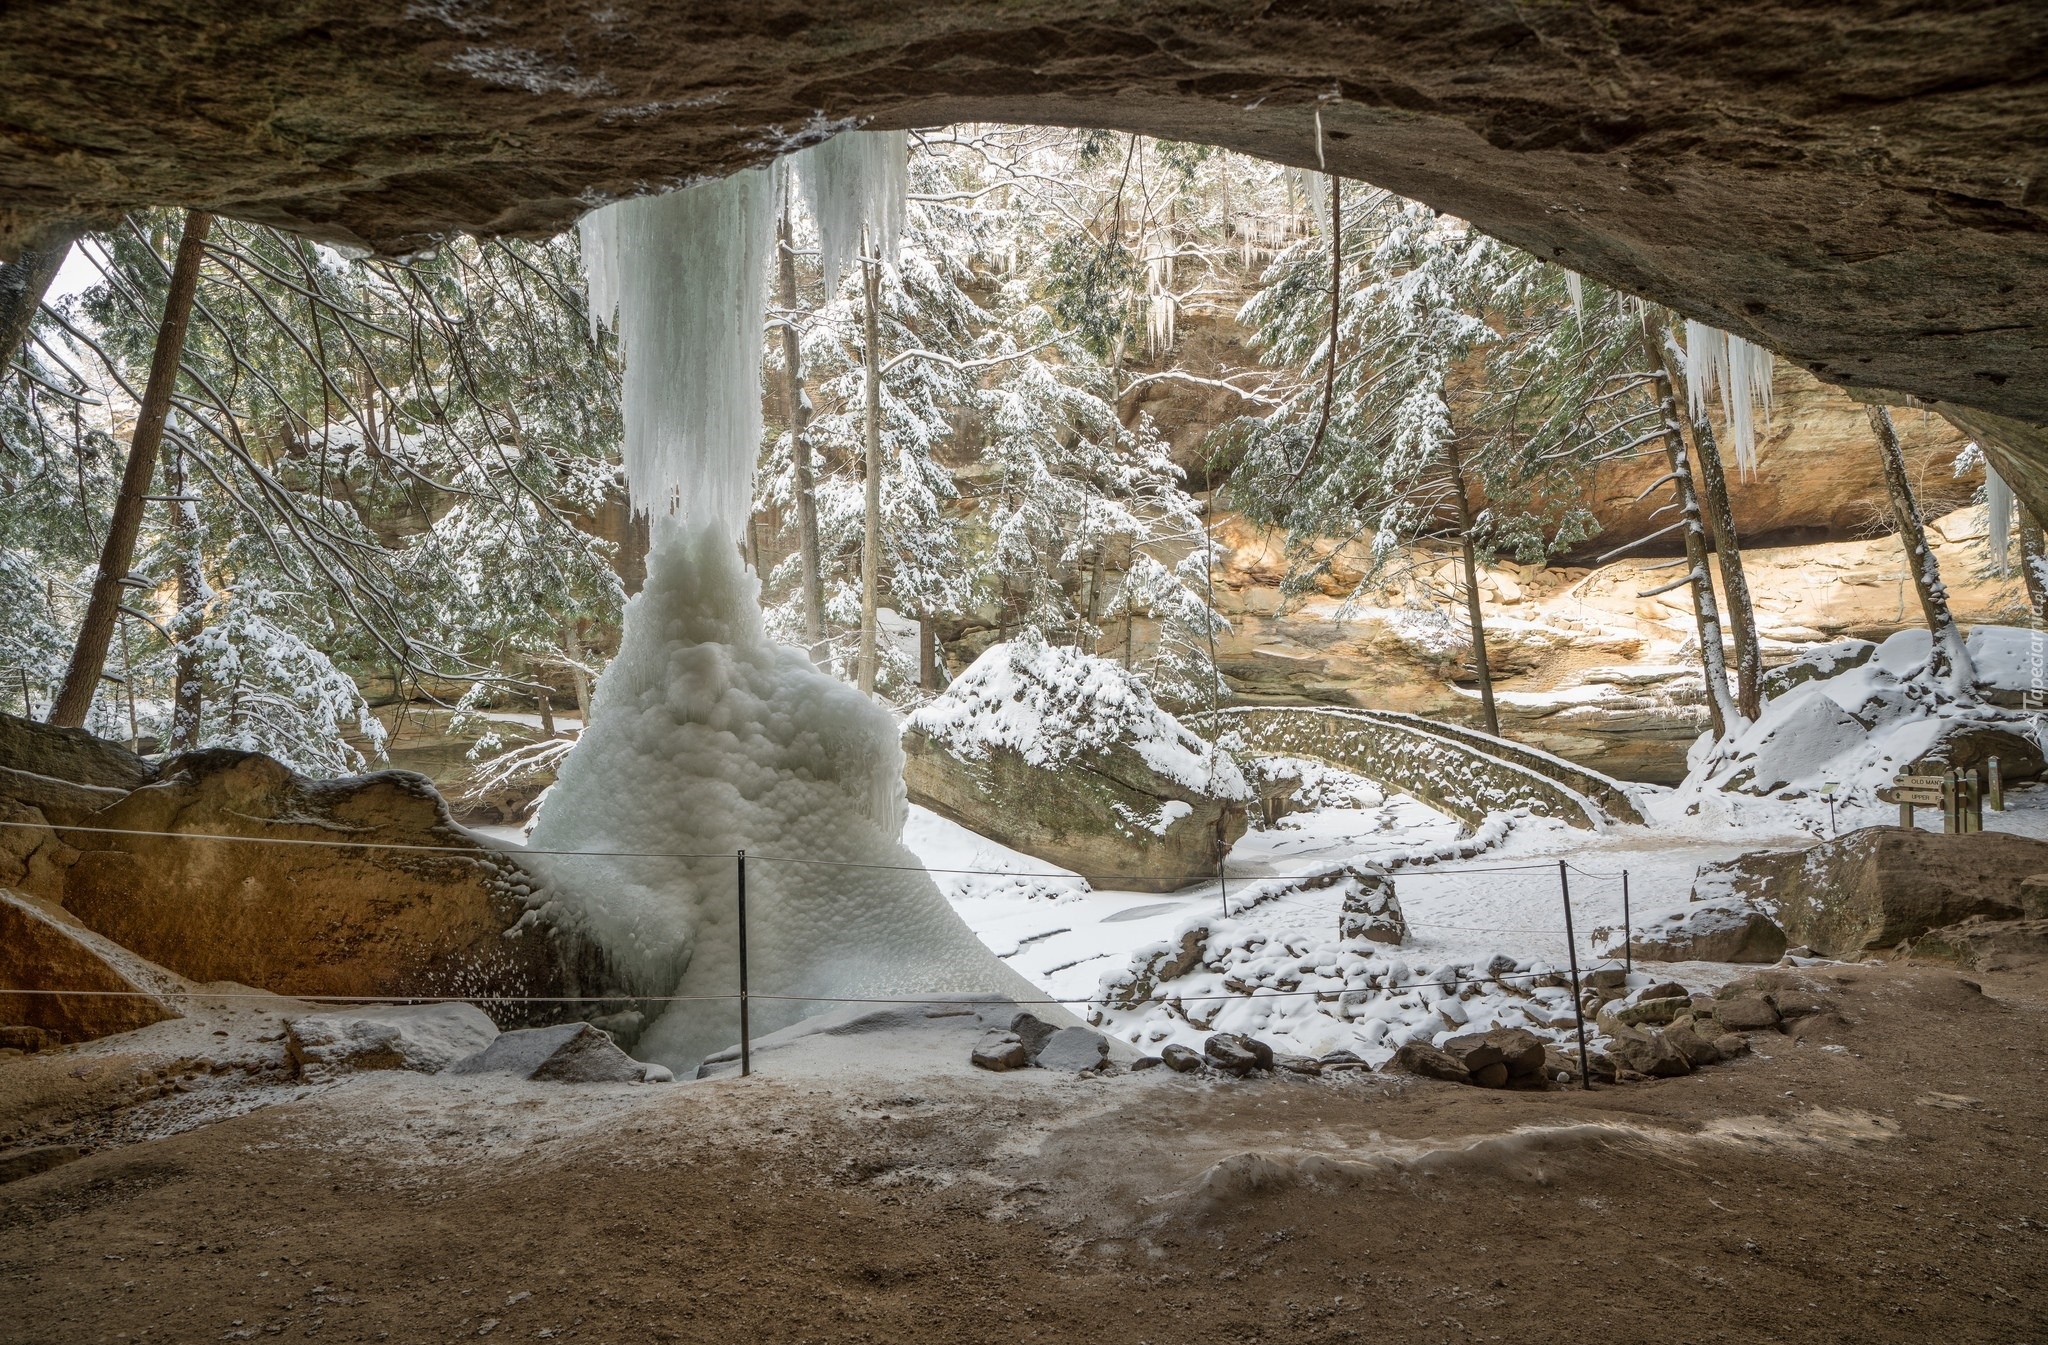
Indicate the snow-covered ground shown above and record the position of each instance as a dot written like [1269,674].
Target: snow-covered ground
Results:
[1482,930]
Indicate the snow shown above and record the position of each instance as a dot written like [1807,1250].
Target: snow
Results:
[1053,704]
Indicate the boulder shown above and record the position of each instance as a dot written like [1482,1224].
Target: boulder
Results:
[1648,1053]
[564,1053]
[1746,1013]
[1817,664]
[43,949]
[1065,756]
[1876,887]
[1306,1065]
[1234,1053]
[1145,1062]
[1697,1050]
[1978,944]
[1074,1050]
[1642,1009]
[423,1037]
[1371,910]
[346,915]
[1033,1031]
[1182,1059]
[1724,929]
[1420,1058]
[1000,1051]
[1154,966]
[1517,1051]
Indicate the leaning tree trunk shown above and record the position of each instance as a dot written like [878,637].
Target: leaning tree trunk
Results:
[1948,658]
[1721,708]
[2033,564]
[89,658]
[1713,485]
[194,593]
[796,409]
[1473,611]
[871,540]
[25,280]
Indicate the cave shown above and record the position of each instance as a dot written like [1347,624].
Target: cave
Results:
[1863,190]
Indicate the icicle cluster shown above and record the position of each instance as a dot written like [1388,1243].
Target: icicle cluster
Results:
[1160,305]
[1575,286]
[680,278]
[1998,502]
[855,183]
[1741,370]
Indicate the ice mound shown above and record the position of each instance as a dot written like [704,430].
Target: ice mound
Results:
[706,737]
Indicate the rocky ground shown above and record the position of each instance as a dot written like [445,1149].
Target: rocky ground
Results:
[1875,1177]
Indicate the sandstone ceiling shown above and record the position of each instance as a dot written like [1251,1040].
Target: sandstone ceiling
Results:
[1861,186]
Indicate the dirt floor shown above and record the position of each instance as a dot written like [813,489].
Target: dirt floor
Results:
[1880,1176]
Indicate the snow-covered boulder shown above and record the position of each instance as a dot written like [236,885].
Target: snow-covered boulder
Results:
[1371,910]
[1817,664]
[1726,929]
[1067,757]
[423,1037]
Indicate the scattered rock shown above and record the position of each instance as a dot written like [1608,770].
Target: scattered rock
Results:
[1033,1031]
[1371,910]
[1697,1050]
[1609,976]
[42,948]
[1726,929]
[1074,1050]
[1647,1053]
[1298,1064]
[1643,1009]
[1731,1044]
[1746,1013]
[1001,1051]
[1561,1063]
[1420,1058]
[1870,890]
[564,1053]
[1181,1059]
[1167,962]
[1145,1062]
[1517,1052]
[1236,1054]
[423,1037]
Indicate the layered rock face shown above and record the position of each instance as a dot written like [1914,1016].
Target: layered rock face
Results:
[357,887]
[1859,190]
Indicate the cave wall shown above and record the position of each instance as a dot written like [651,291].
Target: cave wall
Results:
[1861,188]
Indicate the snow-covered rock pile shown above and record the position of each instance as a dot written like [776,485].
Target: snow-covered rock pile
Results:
[1853,718]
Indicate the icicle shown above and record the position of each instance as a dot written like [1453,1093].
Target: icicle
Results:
[680,278]
[857,180]
[1705,360]
[1574,285]
[1998,503]
[1747,387]
[1315,196]
[1321,162]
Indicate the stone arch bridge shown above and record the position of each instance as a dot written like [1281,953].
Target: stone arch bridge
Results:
[1459,771]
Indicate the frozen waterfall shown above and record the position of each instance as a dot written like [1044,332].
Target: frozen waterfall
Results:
[705,736]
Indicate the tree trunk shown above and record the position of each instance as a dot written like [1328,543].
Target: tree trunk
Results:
[1749,659]
[2033,564]
[573,647]
[1948,659]
[25,280]
[1095,599]
[1480,662]
[871,540]
[796,409]
[89,659]
[927,655]
[1721,708]
[194,593]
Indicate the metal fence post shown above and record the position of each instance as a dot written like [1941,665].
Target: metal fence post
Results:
[1564,887]
[1628,928]
[746,1034]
